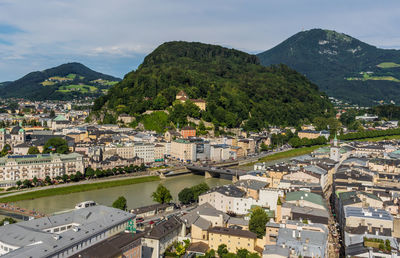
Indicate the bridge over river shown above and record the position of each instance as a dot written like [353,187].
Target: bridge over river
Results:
[210,171]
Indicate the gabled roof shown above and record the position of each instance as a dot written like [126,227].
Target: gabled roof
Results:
[306,196]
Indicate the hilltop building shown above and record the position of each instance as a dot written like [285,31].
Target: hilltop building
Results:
[183,97]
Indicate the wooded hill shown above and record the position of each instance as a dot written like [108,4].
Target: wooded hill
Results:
[237,89]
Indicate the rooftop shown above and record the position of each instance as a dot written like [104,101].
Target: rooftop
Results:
[367,213]
[232,232]
[34,241]
[302,195]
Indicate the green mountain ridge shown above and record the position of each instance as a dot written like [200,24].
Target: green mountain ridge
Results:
[64,82]
[237,89]
[342,66]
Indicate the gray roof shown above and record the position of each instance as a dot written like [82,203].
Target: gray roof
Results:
[238,221]
[316,170]
[35,242]
[164,228]
[251,184]
[229,190]
[306,210]
[202,223]
[367,213]
[276,250]
[206,210]
[315,241]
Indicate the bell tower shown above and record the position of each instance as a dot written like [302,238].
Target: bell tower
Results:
[335,150]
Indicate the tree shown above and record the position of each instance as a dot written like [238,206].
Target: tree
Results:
[199,189]
[27,183]
[162,195]
[89,172]
[120,203]
[19,183]
[52,114]
[186,196]
[6,150]
[35,181]
[56,145]
[387,245]
[33,150]
[79,175]
[258,220]
[222,249]
[48,180]
[10,221]
[209,254]
[65,178]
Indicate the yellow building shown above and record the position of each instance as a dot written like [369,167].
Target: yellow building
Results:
[200,103]
[234,239]
[309,134]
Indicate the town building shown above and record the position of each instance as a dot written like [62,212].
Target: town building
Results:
[21,167]
[62,235]
[234,239]
[162,235]
[188,131]
[12,137]
[144,151]
[183,150]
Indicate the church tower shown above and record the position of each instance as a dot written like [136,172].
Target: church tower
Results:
[2,138]
[335,151]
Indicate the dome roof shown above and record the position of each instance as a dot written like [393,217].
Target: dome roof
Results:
[15,130]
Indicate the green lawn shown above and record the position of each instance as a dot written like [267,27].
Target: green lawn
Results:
[71,76]
[381,138]
[288,154]
[388,65]
[81,88]
[367,77]
[77,188]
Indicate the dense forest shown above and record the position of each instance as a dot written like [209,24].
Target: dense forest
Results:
[64,82]
[342,66]
[389,112]
[237,89]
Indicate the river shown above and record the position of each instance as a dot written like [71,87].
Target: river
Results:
[137,195]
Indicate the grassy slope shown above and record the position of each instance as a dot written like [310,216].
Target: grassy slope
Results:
[287,154]
[388,65]
[77,188]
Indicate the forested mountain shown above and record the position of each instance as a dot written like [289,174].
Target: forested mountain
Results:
[67,81]
[234,85]
[340,65]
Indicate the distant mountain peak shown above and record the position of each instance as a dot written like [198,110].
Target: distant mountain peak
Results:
[338,64]
[70,80]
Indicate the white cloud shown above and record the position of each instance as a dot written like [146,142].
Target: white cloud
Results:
[54,31]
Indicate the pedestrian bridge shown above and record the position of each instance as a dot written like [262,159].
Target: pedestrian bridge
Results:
[209,171]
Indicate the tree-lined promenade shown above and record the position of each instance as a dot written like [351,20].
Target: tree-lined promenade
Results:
[82,186]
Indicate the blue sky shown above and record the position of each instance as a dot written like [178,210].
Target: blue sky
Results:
[114,36]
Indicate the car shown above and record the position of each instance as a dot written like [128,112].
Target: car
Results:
[139,219]
[151,222]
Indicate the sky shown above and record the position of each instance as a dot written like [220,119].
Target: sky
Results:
[114,36]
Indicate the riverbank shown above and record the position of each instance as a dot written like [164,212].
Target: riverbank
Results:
[381,138]
[287,154]
[76,188]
